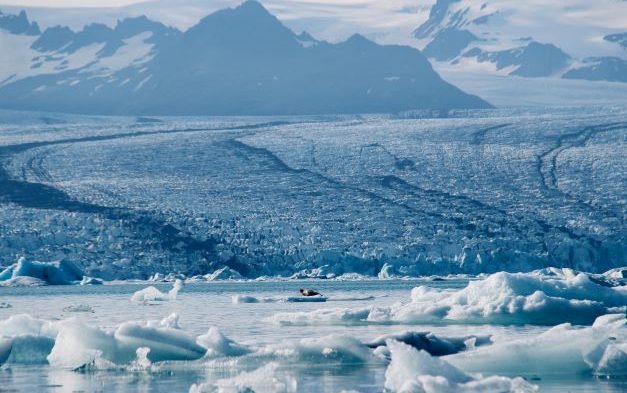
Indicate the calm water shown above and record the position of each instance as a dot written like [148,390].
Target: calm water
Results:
[203,305]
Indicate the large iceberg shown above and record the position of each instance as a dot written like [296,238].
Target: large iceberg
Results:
[54,273]
[73,345]
[501,298]
[599,349]
[414,371]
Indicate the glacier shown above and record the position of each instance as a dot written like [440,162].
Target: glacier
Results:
[308,197]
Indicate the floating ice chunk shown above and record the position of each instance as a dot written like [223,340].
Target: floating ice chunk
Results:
[142,362]
[225,273]
[619,273]
[501,298]
[263,380]
[79,308]
[219,345]
[23,282]
[164,343]
[434,345]
[563,349]
[79,346]
[54,273]
[613,362]
[152,294]
[91,281]
[332,349]
[24,324]
[29,349]
[237,299]
[328,316]
[416,371]
[171,321]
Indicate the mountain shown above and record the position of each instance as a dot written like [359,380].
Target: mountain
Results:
[239,61]
[619,38]
[498,33]
[18,24]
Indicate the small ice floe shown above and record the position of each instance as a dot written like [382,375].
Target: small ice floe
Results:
[265,379]
[501,298]
[238,299]
[142,362]
[219,345]
[434,345]
[225,273]
[91,281]
[170,277]
[79,308]
[600,349]
[78,346]
[29,273]
[152,294]
[411,370]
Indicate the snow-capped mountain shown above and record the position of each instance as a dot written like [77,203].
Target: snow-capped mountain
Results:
[239,60]
[501,36]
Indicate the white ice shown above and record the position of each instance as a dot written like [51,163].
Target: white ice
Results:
[501,298]
[564,349]
[413,371]
[152,294]
[262,380]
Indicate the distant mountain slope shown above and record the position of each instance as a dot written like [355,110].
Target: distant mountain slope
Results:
[497,33]
[233,62]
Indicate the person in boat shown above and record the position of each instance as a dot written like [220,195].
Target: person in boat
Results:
[309,292]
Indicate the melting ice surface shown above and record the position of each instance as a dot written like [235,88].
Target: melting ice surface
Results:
[203,341]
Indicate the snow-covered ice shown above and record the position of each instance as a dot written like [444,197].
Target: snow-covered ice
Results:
[414,371]
[501,298]
[564,349]
[152,294]
[262,380]
[203,339]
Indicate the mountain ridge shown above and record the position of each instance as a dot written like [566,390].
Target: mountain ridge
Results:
[236,61]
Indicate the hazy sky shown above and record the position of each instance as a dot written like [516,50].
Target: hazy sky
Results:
[70,3]
[578,26]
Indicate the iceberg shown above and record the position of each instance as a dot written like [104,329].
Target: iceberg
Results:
[432,344]
[501,298]
[563,349]
[152,294]
[73,345]
[237,299]
[54,273]
[414,371]
[165,343]
[79,308]
[217,344]
[224,273]
[263,380]
[331,349]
